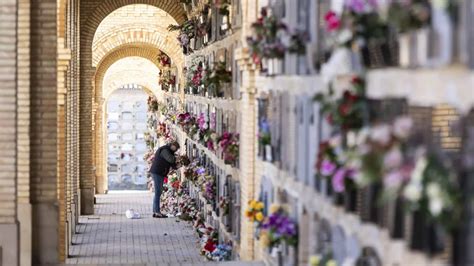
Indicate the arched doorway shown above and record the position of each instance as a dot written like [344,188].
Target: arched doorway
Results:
[126,114]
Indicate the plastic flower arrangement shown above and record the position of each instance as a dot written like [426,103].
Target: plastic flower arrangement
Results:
[411,15]
[152,104]
[254,211]
[187,31]
[167,80]
[432,190]
[279,228]
[164,60]
[229,144]
[264,134]
[223,252]
[224,205]
[346,112]
[219,75]
[266,43]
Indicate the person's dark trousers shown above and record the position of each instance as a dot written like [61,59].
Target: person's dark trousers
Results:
[158,183]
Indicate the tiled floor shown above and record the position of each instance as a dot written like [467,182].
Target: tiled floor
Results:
[108,237]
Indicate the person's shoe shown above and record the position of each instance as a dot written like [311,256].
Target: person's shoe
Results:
[159,215]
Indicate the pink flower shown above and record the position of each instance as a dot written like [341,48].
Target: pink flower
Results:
[402,127]
[332,21]
[328,168]
[393,179]
[338,180]
[393,159]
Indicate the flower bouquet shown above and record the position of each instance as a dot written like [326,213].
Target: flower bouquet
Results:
[152,104]
[218,77]
[223,252]
[229,145]
[266,43]
[278,228]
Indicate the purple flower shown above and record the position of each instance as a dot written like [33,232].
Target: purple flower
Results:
[200,171]
[328,168]
[357,6]
[338,180]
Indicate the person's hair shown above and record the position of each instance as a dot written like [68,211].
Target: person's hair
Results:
[176,144]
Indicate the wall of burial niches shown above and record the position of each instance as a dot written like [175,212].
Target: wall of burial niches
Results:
[126,124]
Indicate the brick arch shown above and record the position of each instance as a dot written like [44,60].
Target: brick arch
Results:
[138,34]
[146,51]
[92,13]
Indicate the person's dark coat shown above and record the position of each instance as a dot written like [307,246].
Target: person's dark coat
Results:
[164,160]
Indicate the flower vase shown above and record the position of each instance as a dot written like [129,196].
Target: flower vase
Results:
[277,66]
[350,199]
[427,235]
[404,50]
[268,153]
[224,23]
[397,229]
[264,66]
[422,39]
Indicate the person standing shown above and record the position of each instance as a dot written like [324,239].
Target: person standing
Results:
[164,161]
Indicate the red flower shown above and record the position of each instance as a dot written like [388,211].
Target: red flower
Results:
[330,119]
[332,21]
[356,80]
[210,246]
[350,97]
[344,109]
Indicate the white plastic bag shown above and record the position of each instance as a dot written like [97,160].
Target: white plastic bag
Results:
[131,214]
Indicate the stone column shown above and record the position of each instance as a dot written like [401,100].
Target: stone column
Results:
[8,137]
[44,132]
[247,152]
[23,143]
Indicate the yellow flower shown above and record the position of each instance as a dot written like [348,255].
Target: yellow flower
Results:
[259,206]
[259,216]
[314,260]
[274,208]
[331,263]
[252,204]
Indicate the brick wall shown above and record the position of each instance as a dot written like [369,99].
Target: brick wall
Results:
[8,103]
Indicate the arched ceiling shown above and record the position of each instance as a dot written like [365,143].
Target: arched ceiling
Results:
[131,70]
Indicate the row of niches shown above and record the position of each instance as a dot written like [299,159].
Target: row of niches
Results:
[118,106]
[208,22]
[323,235]
[126,137]
[224,197]
[127,181]
[137,116]
[115,148]
[131,167]
[123,156]
[296,131]
[127,126]
[216,119]
[213,75]
[364,36]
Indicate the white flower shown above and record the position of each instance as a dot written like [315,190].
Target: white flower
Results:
[433,190]
[420,166]
[362,136]
[339,64]
[402,127]
[393,158]
[344,36]
[440,4]
[351,139]
[381,134]
[436,206]
[335,141]
[412,191]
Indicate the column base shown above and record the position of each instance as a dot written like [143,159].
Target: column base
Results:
[87,201]
[9,244]
[25,220]
[45,233]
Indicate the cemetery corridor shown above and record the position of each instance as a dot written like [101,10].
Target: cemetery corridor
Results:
[310,132]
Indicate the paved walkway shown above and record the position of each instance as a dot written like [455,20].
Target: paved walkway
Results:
[108,237]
